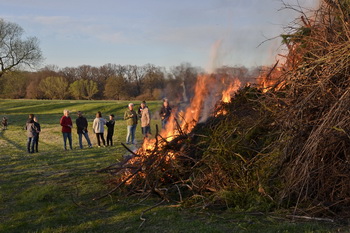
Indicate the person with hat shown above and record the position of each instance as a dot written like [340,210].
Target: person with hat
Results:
[130,117]
[165,113]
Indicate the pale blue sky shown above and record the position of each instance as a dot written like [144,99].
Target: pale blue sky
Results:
[164,33]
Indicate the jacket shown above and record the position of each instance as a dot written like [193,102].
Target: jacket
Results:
[131,117]
[98,125]
[37,127]
[145,117]
[31,129]
[165,112]
[65,122]
[82,125]
[110,125]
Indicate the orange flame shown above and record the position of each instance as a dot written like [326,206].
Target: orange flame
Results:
[233,88]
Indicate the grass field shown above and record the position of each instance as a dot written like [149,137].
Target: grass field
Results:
[53,190]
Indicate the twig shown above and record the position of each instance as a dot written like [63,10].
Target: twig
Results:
[120,184]
[127,148]
[148,209]
[311,218]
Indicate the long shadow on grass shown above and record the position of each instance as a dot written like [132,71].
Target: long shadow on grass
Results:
[14,143]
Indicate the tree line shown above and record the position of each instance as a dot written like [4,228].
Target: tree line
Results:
[110,81]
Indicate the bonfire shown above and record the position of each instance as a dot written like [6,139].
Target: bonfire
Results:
[282,141]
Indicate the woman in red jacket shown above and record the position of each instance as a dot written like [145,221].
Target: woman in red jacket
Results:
[67,125]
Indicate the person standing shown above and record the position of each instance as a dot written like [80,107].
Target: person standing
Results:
[31,133]
[38,130]
[98,128]
[4,123]
[165,113]
[130,117]
[145,120]
[82,125]
[67,125]
[110,125]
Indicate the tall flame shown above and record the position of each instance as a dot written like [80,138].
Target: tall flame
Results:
[186,120]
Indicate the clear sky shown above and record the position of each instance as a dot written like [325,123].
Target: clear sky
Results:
[160,32]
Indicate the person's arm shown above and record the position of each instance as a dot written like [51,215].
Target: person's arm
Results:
[94,125]
[62,122]
[126,115]
[86,124]
[148,117]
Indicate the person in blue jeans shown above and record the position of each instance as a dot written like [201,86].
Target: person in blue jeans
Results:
[130,117]
[67,125]
[31,133]
[82,125]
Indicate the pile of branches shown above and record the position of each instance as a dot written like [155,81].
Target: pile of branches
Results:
[224,161]
[316,162]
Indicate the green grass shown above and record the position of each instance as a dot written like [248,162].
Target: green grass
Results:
[53,190]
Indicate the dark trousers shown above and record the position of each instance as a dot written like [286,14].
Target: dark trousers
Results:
[30,144]
[98,136]
[65,137]
[37,142]
[109,139]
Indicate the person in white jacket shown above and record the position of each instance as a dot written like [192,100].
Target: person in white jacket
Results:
[98,128]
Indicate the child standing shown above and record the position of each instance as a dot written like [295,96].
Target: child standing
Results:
[4,123]
[110,125]
[38,130]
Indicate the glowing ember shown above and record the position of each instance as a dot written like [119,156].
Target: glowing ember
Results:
[269,78]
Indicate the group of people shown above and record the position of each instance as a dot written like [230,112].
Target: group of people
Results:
[82,129]
[130,116]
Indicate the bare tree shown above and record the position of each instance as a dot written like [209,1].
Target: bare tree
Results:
[15,51]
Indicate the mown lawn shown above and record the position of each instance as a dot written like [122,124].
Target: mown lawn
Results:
[53,190]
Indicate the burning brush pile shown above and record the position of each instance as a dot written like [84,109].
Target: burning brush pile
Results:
[249,146]
[215,149]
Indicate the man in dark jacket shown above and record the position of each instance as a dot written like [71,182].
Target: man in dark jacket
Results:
[82,125]
[31,133]
[165,113]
